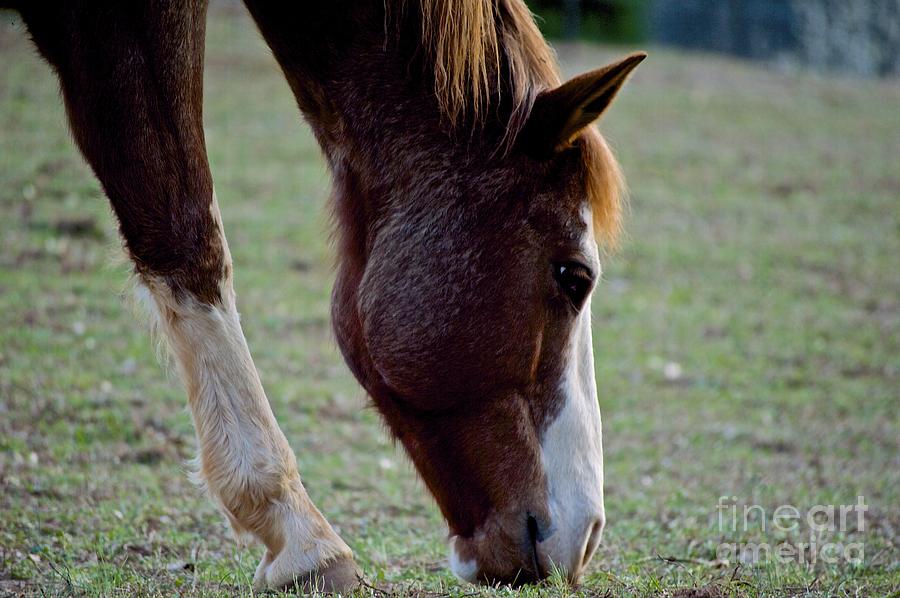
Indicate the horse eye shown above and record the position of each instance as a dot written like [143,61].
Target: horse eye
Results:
[575,280]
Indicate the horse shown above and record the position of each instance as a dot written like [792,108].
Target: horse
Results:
[472,198]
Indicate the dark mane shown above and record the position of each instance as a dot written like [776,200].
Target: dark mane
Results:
[466,42]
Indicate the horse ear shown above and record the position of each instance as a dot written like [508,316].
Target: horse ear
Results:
[559,114]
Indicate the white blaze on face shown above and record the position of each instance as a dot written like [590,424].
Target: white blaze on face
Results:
[571,450]
[571,454]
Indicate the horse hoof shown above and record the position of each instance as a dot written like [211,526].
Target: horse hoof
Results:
[340,576]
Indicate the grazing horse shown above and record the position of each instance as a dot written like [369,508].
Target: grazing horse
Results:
[470,193]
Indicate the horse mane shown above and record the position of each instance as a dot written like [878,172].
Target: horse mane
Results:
[469,44]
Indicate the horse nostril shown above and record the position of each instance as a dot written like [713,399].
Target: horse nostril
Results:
[593,540]
[533,533]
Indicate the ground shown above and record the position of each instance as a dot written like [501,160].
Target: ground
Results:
[747,342]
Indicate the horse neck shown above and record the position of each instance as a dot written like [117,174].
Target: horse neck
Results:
[372,110]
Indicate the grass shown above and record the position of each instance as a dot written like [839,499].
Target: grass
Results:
[747,341]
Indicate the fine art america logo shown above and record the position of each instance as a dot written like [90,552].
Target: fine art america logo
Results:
[821,531]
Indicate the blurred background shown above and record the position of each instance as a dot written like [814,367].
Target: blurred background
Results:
[860,37]
[747,334]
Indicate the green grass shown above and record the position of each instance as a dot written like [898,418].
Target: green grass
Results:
[627,22]
[762,259]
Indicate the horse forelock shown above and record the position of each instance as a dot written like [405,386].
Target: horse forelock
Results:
[605,188]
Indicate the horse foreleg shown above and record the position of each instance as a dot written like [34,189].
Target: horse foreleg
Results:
[245,460]
[131,75]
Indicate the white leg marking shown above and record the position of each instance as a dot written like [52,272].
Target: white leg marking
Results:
[245,460]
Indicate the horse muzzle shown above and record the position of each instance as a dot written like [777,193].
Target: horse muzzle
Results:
[529,547]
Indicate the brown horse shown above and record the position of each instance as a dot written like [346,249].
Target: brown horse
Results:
[469,189]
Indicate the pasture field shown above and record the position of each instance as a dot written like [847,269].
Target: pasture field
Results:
[747,342]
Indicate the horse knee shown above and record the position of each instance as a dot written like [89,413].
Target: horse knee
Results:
[186,249]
